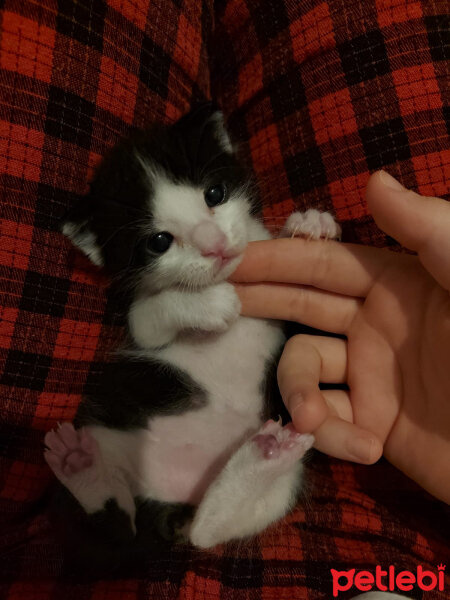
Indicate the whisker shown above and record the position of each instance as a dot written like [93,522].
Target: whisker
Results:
[127,225]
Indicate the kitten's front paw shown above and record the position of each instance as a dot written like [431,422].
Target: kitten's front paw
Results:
[313,225]
[222,307]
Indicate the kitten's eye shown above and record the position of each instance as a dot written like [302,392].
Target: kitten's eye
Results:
[160,242]
[215,195]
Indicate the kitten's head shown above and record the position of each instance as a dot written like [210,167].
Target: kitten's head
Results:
[167,207]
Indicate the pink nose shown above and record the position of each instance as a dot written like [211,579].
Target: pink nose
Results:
[209,239]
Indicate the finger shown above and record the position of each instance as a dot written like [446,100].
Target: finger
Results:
[341,268]
[306,361]
[339,404]
[335,434]
[298,377]
[375,380]
[312,307]
[332,353]
[419,223]
[347,441]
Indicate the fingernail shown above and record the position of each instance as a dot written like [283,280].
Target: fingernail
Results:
[361,448]
[391,182]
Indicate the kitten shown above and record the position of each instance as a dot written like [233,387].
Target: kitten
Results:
[183,438]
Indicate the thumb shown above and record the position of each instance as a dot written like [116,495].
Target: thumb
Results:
[419,223]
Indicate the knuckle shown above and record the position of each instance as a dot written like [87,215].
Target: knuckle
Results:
[293,344]
[298,343]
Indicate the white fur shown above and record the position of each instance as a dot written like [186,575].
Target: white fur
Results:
[178,209]
[155,321]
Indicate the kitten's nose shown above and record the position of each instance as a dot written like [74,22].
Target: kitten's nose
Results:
[209,239]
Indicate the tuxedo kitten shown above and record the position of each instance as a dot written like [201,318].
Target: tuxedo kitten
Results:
[182,439]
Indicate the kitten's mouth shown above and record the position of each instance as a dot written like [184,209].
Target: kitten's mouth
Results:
[224,260]
[221,262]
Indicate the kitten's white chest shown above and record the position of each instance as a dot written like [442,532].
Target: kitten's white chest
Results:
[230,366]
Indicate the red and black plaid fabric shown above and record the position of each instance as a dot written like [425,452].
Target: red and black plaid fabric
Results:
[319,94]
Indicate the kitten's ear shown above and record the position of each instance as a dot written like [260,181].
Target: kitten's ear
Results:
[77,226]
[206,119]
[220,131]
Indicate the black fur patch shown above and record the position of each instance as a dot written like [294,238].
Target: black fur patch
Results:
[132,391]
[161,521]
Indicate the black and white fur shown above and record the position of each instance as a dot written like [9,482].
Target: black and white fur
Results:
[178,441]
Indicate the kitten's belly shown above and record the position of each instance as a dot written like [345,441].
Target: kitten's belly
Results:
[179,456]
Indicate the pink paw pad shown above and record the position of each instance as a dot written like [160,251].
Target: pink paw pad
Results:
[268,444]
[69,451]
[274,440]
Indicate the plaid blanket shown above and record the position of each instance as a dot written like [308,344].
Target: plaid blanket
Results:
[318,94]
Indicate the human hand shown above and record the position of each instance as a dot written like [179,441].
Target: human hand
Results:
[394,310]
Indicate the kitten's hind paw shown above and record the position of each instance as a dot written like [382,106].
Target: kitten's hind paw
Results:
[282,443]
[257,486]
[75,458]
[312,225]
[68,451]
